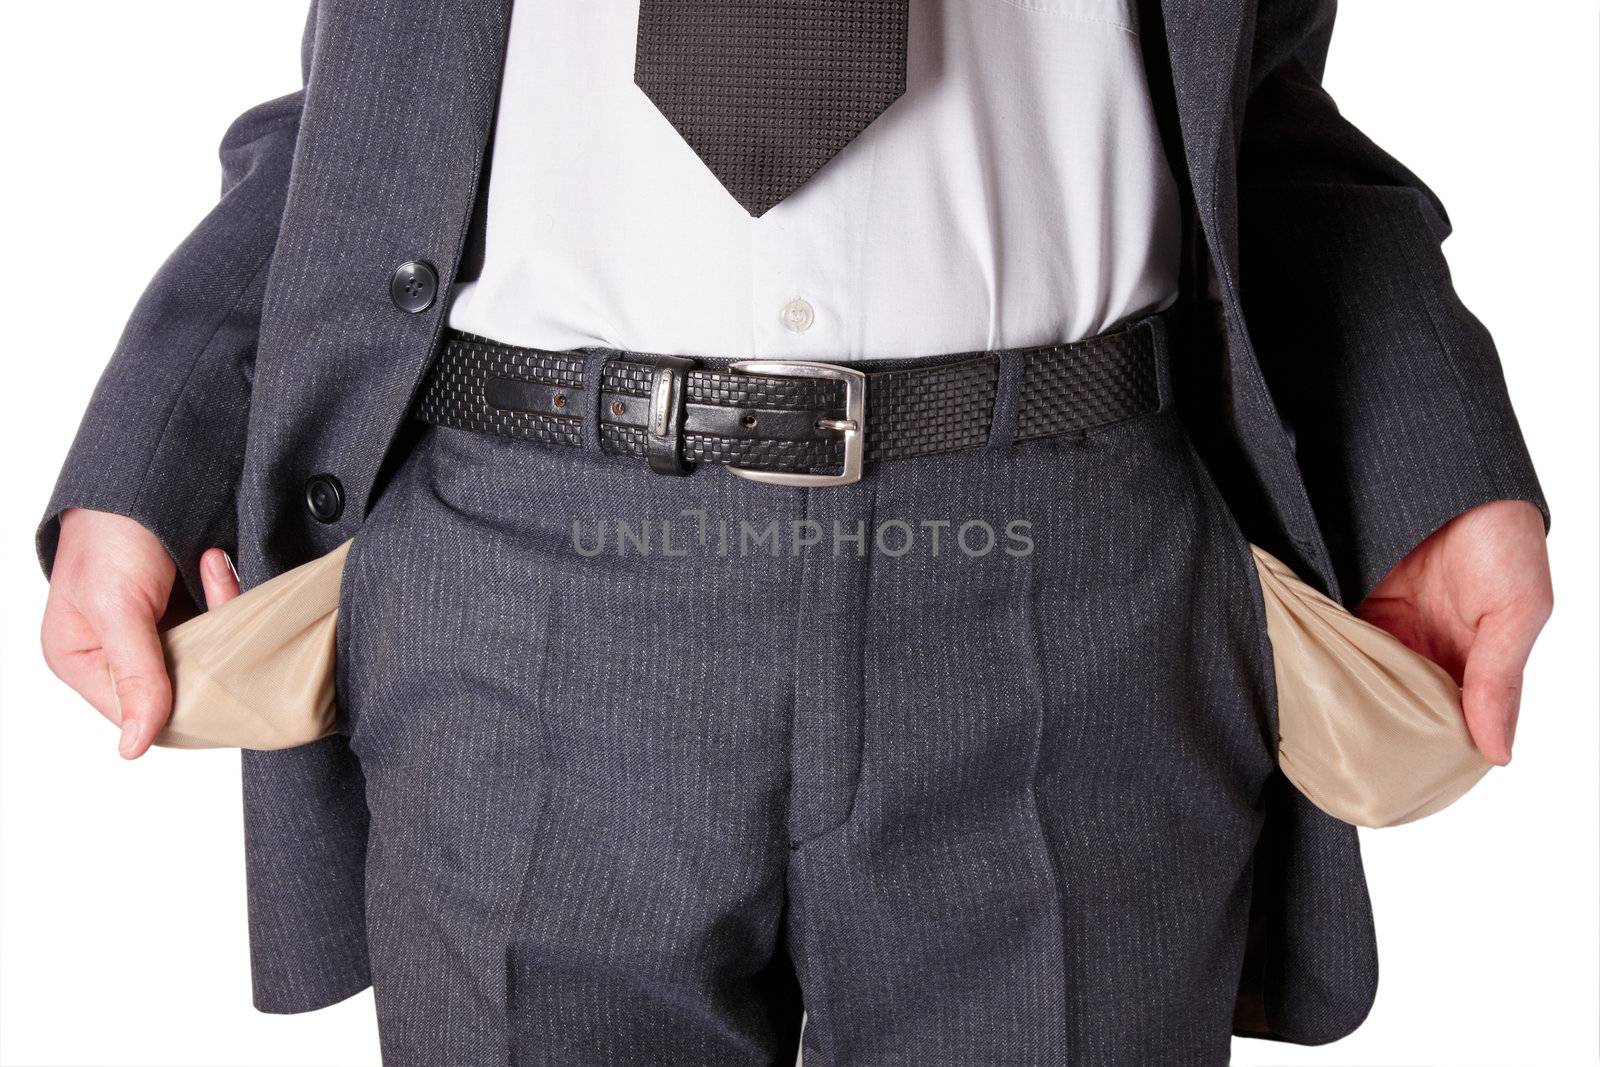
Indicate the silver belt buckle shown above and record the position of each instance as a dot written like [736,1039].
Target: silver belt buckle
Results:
[853,426]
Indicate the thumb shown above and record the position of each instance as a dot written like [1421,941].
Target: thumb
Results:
[217,576]
[1491,685]
[138,676]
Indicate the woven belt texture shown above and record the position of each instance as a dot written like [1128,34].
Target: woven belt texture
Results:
[915,407]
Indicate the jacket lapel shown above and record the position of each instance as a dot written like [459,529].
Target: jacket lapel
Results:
[1205,45]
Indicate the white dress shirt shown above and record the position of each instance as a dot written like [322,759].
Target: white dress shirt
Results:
[1016,195]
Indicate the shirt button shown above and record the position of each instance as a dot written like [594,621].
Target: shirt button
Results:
[413,286]
[324,498]
[797,315]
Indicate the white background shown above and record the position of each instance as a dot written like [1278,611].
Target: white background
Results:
[122,928]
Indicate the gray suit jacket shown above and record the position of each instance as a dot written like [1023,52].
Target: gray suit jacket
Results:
[1348,403]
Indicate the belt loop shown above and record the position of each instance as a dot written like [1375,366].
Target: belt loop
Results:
[1160,347]
[1010,369]
[594,372]
[663,429]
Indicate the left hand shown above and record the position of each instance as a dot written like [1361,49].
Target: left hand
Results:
[1472,598]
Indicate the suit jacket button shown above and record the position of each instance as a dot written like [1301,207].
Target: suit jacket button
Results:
[324,498]
[413,286]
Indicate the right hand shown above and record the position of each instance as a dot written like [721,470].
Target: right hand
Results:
[108,589]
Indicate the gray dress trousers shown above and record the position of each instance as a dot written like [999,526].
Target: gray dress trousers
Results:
[816,753]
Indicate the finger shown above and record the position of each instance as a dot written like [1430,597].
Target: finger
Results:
[138,673]
[1491,686]
[217,577]
[72,652]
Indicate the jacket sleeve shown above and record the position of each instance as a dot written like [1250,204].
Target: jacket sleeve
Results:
[162,441]
[1391,388]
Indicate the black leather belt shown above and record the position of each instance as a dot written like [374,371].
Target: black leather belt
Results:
[787,421]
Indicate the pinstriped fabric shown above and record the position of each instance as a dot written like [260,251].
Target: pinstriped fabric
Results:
[640,806]
[766,93]
[1351,308]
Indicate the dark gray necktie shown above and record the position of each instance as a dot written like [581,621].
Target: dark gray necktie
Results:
[767,91]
